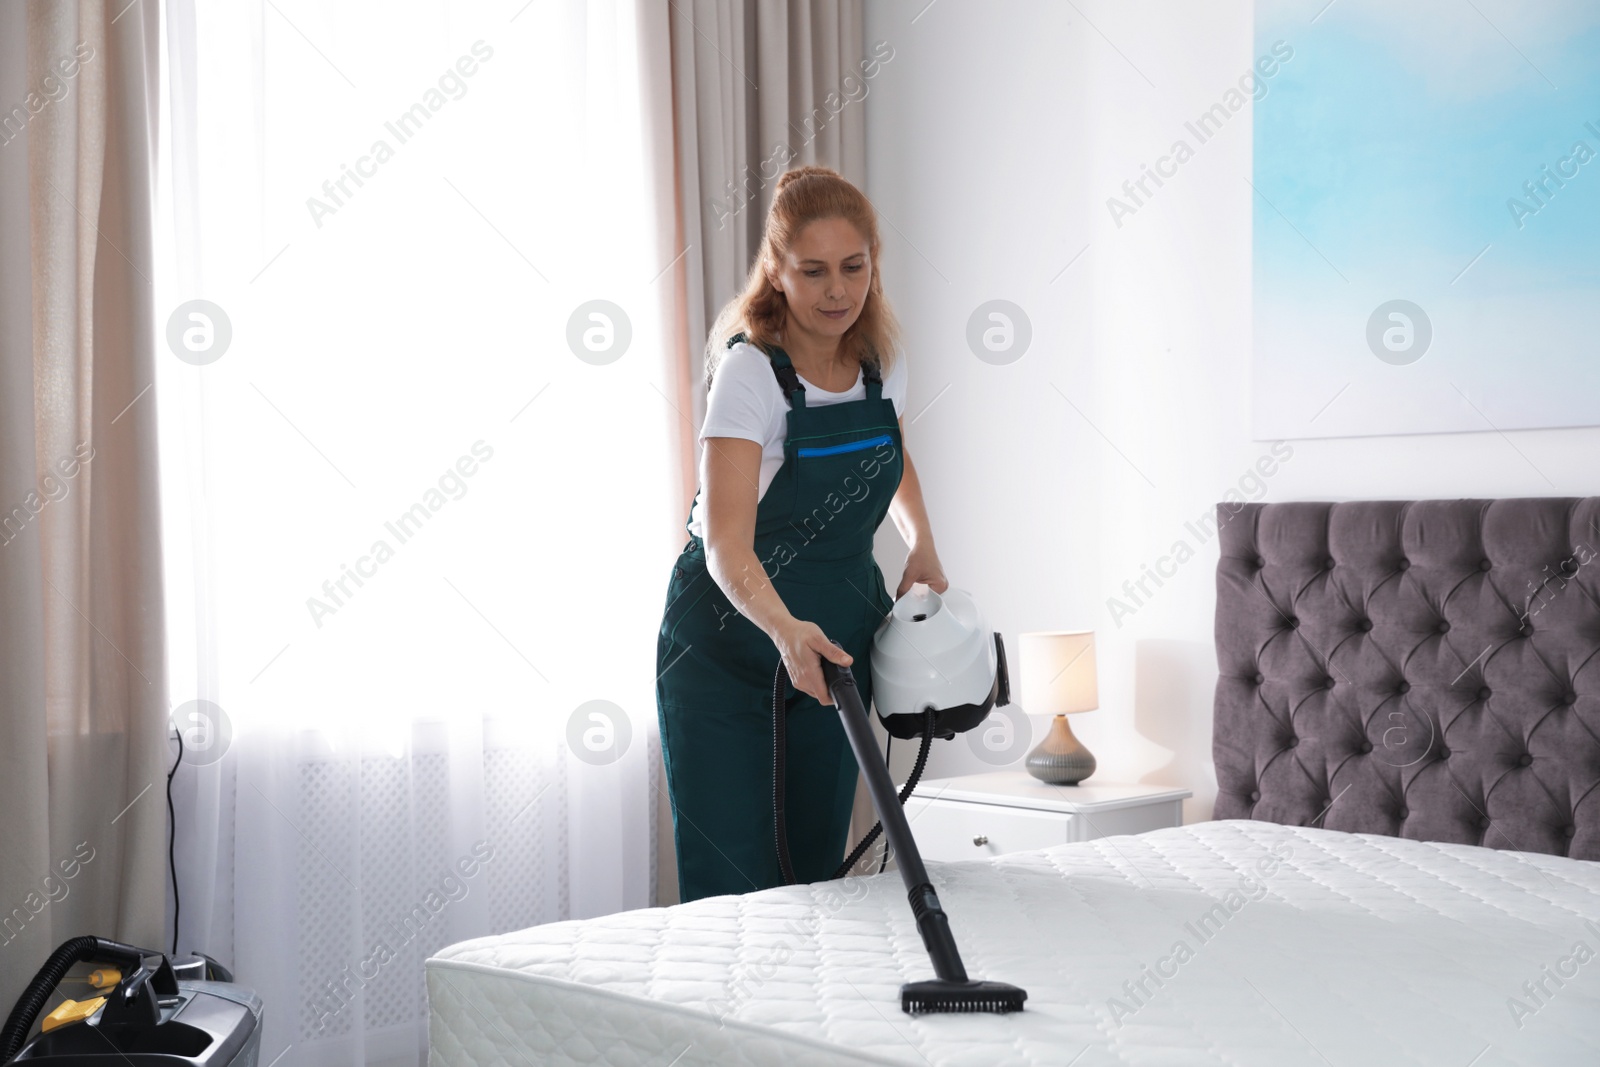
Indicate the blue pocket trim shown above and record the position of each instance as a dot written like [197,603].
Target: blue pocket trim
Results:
[852,446]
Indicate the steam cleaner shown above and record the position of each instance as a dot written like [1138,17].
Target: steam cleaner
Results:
[112,1004]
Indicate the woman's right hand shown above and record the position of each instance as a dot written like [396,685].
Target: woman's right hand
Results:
[801,643]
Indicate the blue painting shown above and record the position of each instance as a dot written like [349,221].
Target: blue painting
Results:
[1426,217]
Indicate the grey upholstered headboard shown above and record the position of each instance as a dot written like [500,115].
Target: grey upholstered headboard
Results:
[1426,669]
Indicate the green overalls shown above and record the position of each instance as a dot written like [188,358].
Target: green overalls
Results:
[714,667]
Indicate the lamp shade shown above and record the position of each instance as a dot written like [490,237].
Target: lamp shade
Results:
[1058,672]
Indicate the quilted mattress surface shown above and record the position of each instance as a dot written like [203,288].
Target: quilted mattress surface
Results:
[1233,942]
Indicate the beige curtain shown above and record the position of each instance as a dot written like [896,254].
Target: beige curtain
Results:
[83,753]
[757,89]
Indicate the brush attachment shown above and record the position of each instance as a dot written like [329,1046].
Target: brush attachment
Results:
[936,994]
[952,990]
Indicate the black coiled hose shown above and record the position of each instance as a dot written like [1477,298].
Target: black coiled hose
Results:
[780,747]
[32,1001]
[905,791]
[780,744]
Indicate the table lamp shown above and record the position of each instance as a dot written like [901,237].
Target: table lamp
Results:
[1058,678]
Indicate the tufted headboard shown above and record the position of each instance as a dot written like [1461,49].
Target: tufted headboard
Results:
[1426,669]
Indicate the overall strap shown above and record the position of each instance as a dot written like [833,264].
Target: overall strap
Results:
[874,380]
[783,370]
[788,377]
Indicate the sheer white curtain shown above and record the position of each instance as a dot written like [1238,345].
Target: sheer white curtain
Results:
[419,508]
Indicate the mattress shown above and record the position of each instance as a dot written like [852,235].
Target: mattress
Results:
[1232,942]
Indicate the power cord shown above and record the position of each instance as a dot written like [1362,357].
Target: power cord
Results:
[172,839]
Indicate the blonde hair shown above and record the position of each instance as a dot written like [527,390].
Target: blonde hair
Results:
[805,195]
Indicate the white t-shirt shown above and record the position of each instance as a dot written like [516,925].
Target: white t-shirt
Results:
[747,402]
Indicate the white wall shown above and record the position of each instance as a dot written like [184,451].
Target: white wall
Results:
[995,136]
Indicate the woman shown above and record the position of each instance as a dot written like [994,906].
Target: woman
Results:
[802,459]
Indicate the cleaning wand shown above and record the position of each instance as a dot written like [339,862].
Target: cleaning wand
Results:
[952,990]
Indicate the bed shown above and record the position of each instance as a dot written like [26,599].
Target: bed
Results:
[1402,867]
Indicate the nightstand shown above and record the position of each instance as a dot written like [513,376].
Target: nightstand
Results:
[981,815]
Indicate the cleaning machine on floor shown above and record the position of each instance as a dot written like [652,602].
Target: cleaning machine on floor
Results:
[937,670]
[114,1005]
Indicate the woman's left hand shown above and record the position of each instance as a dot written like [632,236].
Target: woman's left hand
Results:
[922,566]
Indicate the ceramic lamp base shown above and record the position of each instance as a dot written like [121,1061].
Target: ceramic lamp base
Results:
[1060,758]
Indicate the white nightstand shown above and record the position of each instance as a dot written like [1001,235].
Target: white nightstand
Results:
[981,815]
